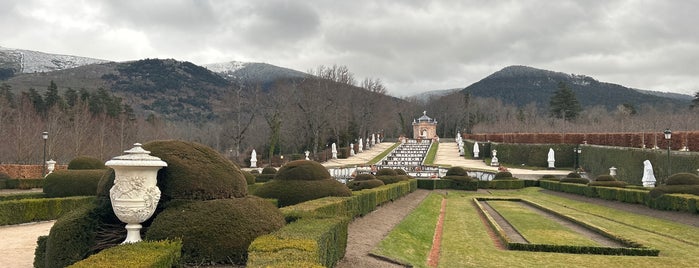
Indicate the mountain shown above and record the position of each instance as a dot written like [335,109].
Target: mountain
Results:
[426,96]
[251,73]
[16,61]
[521,85]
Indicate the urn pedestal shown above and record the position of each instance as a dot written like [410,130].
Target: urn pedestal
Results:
[135,194]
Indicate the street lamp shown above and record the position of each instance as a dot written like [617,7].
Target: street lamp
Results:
[668,137]
[576,153]
[45,136]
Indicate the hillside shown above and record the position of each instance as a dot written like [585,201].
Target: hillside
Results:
[17,61]
[521,85]
[253,73]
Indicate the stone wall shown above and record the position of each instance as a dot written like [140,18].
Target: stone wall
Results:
[25,171]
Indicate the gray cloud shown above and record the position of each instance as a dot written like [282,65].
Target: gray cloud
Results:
[411,45]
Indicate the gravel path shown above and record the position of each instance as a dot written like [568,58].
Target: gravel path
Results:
[19,241]
[365,233]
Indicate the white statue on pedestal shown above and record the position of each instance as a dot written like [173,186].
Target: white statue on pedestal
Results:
[50,166]
[307,152]
[253,159]
[476,150]
[351,149]
[551,159]
[494,162]
[334,151]
[648,179]
[361,146]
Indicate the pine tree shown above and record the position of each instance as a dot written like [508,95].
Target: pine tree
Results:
[564,104]
[695,101]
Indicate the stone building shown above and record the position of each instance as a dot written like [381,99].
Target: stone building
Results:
[424,127]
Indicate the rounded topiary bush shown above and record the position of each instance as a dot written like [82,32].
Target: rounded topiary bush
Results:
[86,162]
[216,231]
[683,179]
[388,179]
[503,175]
[605,178]
[71,237]
[249,178]
[299,181]
[459,171]
[291,192]
[386,172]
[674,189]
[400,171]
[303,170]
[457,178]
[575,180]
[63,183]
[549,177]
[269,170]
[356,185]
[364,177]
[573,175]
[195,172]
[619,184]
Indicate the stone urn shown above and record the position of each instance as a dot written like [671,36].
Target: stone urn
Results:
[135,194]
[50,166]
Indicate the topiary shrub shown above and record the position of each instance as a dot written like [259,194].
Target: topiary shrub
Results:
[388,179]
[386,172]
[216,231]
[71,238]
[86,162]
[503,175]
[683,179]
[400,171]
[63,183]
[457,178]
[249,178]
[575,180]
[254,172]
[573,175]
[364,177]
[303,170]
[459,171]
[269,170]
[356,185]
[549,177]
[195,172]
[605,178]
[674,189]
[619,184]
[299,181]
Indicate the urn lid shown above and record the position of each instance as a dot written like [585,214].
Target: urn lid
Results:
[136,156]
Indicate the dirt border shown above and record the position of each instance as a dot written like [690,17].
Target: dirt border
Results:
[433,257]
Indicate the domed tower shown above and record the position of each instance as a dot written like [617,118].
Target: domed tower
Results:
[424,127]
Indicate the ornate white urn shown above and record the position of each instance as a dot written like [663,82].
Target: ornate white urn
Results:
[50,166]
[135,194]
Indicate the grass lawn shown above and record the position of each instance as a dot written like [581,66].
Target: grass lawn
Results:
[466,243]
[538,229]
[383,154]
[431,154]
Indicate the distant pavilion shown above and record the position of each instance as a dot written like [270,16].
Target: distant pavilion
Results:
[424,127]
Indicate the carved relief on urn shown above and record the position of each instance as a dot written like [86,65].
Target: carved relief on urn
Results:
[135,194]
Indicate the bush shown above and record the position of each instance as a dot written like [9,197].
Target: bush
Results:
[575,180]
[400,171]
[364,177]
[683,179]
[42,209]
[458,171]
[4,176]
[619,184]
[549,177]
[254,172]
[389,179]
[357,185]
[216,231]
[573,175]
[249,178]
[457,178]
[63,183]
[303,170]
[71,238]
[264,177]
[290,192]
[269,170]
[674,189]
[144,254]
[21,183]
[605,178]
[195,172]
[386,172]
[86,162]
[40,252]
[503,175]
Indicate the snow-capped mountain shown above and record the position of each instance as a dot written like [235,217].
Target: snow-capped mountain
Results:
[226,69]
[253,72]
[28,61]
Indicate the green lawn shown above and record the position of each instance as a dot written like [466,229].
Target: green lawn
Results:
[383,154]
[536,228]
[431,154]
[466,243]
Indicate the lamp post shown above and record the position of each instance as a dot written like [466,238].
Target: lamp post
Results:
[668,137]
[576,153]
[45,136]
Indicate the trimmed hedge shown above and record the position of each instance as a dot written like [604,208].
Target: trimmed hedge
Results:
[21,196]
[358,185]
[216,231]
[305,170]
[21,183]
[71,237]
[86,162]
[264,177]
[400,171]
[40,252]
[683,179]
[575,180]
[674,189]
[549,177]
[619,184]
[269,170]
[502,184]
[43,209]
[605,178]
[249,178]
[63,183]
[389,179]
[502,175]
[161,254]
[457,171]
[290,192]
[386,172]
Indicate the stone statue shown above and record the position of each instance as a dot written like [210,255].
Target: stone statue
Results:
[307,152]
[648,176]
[361,146]
[551,159]
[476,150]
[351,149]
[494,162]
[253,159]
[334,151]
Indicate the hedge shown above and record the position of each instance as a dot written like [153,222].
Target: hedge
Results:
[163,254]
[21,196]
[81,182]
[317,236]
[21,183]
[430,184]
[674,202]
[30,210]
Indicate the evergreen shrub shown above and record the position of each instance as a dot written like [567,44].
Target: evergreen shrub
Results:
[63,183]
[683,179]
[674,189]
[605,178]
[620,184]
[459,171]
[71,238]
[290,192]
[86,162]
[400,171]
[303,170]
[390,179]
[144,254]
[549,177]
[364,184]
[269,170]
[249,178]
[503,175]
[386,172]
[216,231]
[573,175]
[578,180]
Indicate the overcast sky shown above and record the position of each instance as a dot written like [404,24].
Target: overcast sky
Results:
[413,46]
